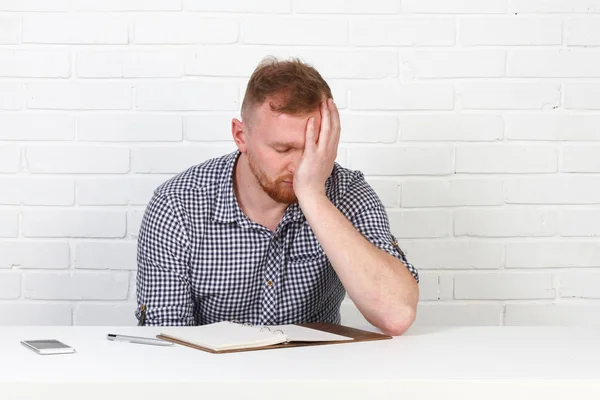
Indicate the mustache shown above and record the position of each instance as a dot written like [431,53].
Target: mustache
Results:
[289,178]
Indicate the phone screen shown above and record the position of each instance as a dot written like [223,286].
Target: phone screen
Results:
[47,344]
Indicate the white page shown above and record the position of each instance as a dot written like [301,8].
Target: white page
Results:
[224,335]
[302,334]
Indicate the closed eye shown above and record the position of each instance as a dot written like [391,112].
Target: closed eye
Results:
[283,150]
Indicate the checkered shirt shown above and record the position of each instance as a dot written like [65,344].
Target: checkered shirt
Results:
[202,260]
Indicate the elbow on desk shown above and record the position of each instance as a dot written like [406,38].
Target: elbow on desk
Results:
[397,326]
[397,323]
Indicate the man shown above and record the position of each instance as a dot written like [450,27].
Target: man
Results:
[277,232]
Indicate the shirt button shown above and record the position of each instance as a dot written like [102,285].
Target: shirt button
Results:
[270,283]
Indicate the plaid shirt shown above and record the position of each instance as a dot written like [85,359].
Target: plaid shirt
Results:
[202,260]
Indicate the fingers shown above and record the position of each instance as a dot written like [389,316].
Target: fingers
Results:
[334,137]
[325,123]
[311,140]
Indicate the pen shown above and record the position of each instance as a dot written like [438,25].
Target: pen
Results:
[137,339]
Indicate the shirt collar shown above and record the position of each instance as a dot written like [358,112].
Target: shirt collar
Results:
[226,207]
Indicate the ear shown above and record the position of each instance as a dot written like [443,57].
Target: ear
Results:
[239,134]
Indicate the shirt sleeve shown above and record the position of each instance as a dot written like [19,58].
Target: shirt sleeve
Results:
[369,217]
[163,285]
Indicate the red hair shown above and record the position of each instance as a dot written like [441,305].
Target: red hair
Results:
[291,86]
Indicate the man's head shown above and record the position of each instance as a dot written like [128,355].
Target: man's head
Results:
[280,98]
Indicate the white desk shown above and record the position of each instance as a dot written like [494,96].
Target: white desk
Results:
[425,363]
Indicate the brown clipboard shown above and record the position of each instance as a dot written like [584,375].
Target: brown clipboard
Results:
[357,335]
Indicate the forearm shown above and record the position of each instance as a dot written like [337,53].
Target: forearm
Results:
[382,288]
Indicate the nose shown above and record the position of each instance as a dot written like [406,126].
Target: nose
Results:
[294,165]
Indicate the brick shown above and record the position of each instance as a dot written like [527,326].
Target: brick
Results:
[411,96]
[503,286]
[34,254]
[127,5]
[459,314]
[208,127]
[37,191]
[342,157]
[553,315]
[241,61]
[350,316]
[10,285]
[454,6]
[339,91]
[117,314]
[75,29]
[10,158]
[127,190]
[453,64]
[403,32]
[134,222]
[130,64]
[129,128]
[507,159]
[103,255]
[74,95]
[77,159]
[505,223]
[11,95]
[346,7]
[579,223]
[165,160]
[429,286]
[554,6]
[239,6]
[238,61]
[133,288]
[447,254]
[508,95]
[184,29]
[35,64]
[75,223]
[353,64]
[446,286]
[187,96]
[368,128]
[388,191]
[552,254]
[553,190]
[43,127]
[294,31]
[555,63]
[455,127]
[75,286]
[583,31]
[34,5]
[557,127]
[35,314]
[580,284]
[452,193]
[420,224]
[583,96]
[9,223]
[510,31]
[10,28]
[435,160]
[581,158]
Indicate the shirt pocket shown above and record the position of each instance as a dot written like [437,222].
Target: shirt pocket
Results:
[308,282]
[305,246]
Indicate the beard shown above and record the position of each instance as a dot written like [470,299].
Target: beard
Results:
[275,189]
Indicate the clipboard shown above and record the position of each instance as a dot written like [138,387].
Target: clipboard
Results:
[357,335]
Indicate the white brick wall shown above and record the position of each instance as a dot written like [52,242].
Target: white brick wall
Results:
[477,123]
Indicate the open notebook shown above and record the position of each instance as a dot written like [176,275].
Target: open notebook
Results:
[226,337]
